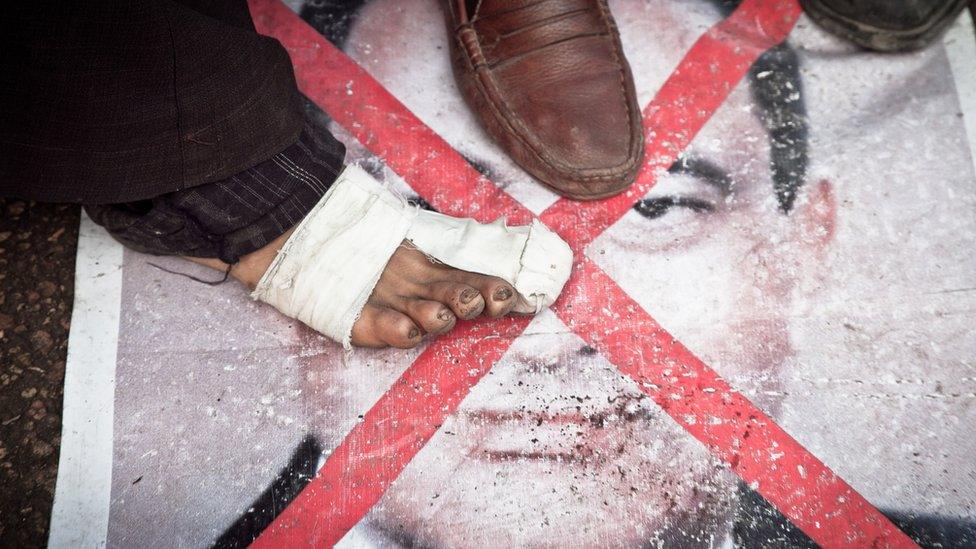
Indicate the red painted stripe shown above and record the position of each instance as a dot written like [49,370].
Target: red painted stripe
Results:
[808,493]
[373,454]
[370,458]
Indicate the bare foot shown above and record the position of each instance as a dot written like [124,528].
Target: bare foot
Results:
[417,296]
[414,296]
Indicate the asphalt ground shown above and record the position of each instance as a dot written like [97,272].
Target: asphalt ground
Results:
[38,243]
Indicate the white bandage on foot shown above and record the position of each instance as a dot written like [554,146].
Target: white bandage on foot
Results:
[328,268]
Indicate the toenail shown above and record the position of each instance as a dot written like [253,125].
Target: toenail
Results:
[444,315]
[468,295]
[414,333]
[502,294]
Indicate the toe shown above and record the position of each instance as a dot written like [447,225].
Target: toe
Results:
[465,301]
[382,327]
[432,316]
[396,329]
[364,333]
[500,297]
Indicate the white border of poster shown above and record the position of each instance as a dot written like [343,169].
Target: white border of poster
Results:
[84,485]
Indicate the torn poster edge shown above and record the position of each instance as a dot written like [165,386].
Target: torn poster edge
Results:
[84,482]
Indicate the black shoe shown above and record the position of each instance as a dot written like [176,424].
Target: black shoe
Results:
[885,25]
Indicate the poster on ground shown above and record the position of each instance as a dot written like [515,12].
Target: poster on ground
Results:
[808,248]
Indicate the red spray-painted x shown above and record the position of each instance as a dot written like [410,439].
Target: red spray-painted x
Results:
[363,466]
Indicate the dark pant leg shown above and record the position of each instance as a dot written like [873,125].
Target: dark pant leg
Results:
[233,216]
[125,100]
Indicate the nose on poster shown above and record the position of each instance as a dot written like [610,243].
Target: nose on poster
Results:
[764,340]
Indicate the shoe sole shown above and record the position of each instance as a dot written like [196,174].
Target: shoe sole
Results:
[878,38]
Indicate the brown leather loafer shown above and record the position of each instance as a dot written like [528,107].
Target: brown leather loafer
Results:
[550,82]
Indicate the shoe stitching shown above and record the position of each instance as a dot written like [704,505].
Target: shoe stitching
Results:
[509,60]
[542,22]
[504,12]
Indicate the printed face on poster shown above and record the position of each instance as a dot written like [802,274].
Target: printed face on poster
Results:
[796,248]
